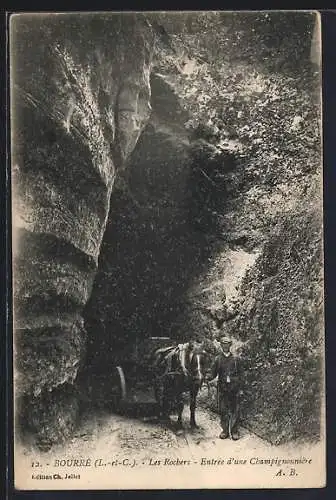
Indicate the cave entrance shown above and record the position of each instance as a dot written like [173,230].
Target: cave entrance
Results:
[161,236]
[150,252]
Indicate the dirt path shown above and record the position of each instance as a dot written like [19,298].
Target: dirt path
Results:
[120,435]
[124,452]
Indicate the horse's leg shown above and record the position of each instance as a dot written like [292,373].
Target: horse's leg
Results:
[180,407]
[193,397]
[158,399]
[166,400]
[165,409]
[161,399]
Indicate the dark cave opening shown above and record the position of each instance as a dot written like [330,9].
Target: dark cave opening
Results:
[160,236]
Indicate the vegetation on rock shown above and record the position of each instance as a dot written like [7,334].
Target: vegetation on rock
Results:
[255,126]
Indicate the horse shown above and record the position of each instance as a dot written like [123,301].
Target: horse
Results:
[178,369]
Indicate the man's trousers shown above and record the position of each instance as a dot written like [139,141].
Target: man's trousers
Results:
[228,408]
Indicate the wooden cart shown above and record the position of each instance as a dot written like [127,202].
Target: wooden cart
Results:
[135,374]
[129,381]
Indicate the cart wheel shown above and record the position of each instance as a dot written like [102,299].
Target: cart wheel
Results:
[122,382]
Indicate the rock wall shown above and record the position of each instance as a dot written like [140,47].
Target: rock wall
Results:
[281,320]
[211,191]
[259,102]
[79,103]
[222,201]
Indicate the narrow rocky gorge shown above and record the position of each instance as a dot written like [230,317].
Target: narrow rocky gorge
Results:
[153,195]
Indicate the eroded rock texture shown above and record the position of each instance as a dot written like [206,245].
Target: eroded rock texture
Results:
[80,99]
[214,224]
[281,316]
[263,281]
[226,177]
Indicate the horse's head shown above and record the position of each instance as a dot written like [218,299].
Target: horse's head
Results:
[197,364]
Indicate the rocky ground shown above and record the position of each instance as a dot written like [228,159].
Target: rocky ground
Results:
[147,444]
[118,435]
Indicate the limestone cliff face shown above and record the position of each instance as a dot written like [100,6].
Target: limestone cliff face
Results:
[223,196]
[80,99]
[256,195]
[280,319]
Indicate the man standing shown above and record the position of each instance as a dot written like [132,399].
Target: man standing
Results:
[226,367]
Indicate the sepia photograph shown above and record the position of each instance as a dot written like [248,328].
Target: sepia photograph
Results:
[167,236]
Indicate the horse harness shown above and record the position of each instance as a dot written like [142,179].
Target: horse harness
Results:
[168,354]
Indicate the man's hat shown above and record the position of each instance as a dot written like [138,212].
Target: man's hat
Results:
[225,340]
